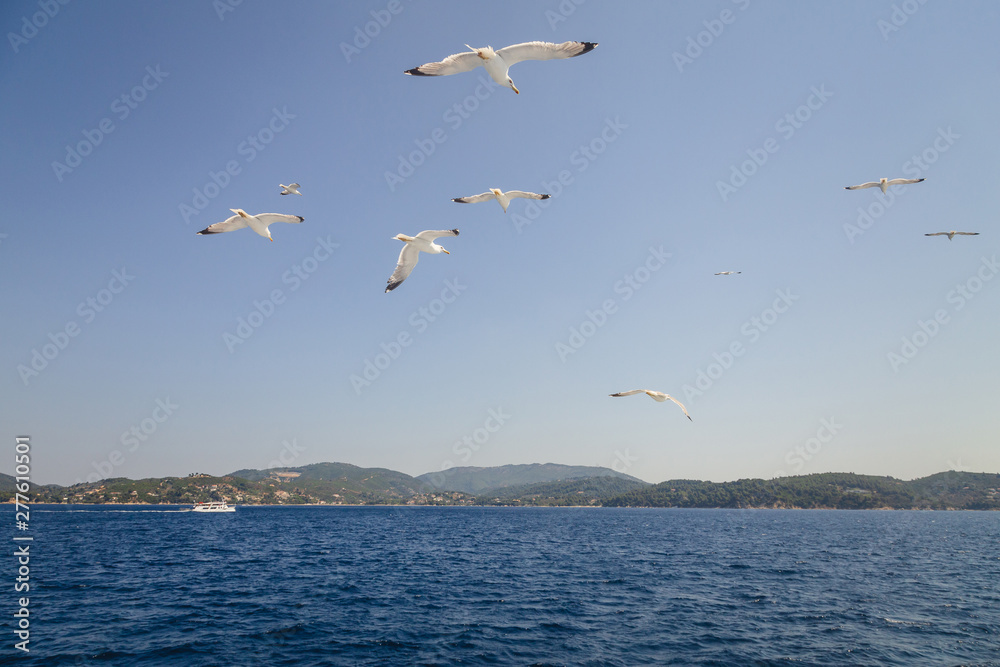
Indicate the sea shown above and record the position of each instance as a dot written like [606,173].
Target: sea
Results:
[148,585]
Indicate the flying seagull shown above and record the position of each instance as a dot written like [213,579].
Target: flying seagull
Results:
[884,184]
[259,223]
[290,189]
[497,63]
[728,273]
[952,234]
[502,197]
[410,254]
[657,396]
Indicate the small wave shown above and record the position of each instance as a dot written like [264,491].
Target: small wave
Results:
[896,621]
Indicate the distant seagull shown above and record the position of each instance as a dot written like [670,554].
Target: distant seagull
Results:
[884,184]
[728,273]
[497,63]
[291,189]
[259,223]
[410,254]
[502,197]
[657,396]
[951,235]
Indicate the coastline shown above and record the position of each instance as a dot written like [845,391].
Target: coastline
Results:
[523,506]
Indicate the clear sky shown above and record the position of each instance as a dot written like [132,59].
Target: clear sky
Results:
[697,138]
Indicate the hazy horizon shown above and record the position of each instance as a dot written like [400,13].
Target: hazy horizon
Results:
[430,472]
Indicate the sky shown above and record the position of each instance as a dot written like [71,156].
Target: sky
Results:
[696,138]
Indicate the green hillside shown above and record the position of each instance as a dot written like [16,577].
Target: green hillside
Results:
[950,490]
[6,483]
[345,484]
[475,480]
[575,492]
[341,482]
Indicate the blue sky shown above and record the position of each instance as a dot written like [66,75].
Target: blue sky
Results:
[697,138]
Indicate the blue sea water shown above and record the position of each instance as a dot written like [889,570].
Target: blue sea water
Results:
[509,586]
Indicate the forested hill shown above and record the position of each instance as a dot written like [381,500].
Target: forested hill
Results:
[947,490]
[344,484]
[469,479]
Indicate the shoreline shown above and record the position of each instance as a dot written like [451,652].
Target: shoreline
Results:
[637,507]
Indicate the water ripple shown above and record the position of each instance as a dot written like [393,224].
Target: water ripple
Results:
[487,586]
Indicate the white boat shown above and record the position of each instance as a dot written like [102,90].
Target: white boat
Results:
[213,506]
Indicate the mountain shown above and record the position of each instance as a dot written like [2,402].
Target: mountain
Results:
[7,483]
[949,490]
[345,484]
[329,479]
[469,479]
[582,491]
[340,483]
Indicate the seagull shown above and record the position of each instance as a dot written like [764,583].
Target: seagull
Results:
[290,189]
[502,197]
[657,396]
[952,234]
[497,63]
[728,273]
[259,223]
[410,254]
[884,184]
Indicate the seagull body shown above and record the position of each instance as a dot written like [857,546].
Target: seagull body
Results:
[657,396]
[497,63]
[952,234]
[410,254]
[290,189]
[259,223]
[883,183]
[502,197]
[728,273]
